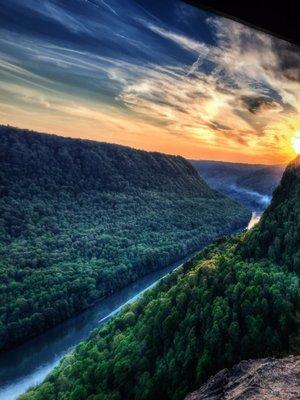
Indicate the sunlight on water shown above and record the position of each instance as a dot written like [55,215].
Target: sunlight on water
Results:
[254,219]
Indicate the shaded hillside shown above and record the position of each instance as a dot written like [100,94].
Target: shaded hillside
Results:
[207,315]
[51,161]
[277,237]
[249,184]
[222,171]
[268,379]
[81,219]
[264,180]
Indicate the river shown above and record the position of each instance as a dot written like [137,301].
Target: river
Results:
[29,364]
[256,215]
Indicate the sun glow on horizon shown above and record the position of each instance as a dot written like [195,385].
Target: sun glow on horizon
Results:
[296,142]
[222,92]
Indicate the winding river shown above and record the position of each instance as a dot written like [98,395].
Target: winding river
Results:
[29,364]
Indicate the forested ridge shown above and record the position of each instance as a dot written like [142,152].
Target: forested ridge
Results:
[217,309]
[249,184]
[264,180]
[81,219]
[277,237]
[221,175]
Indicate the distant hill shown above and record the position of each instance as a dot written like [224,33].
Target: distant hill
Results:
[81,219]
[223,306]
[249,184]
[263,180]
[230,172]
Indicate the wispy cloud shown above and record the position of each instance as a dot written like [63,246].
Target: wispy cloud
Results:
[245,88]
[181,40]
[109,7]
[120,69]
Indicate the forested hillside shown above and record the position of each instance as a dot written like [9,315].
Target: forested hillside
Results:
[264,180]
[277,237]
[81,219]
[249,184]
[222,172]
[256,177]
[212,312]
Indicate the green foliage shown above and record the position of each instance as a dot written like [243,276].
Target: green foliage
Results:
[212,312]
[277,237]
[264,180]
[231,302]
[81,219]
[221,175]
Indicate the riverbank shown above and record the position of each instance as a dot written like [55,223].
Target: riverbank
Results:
[28,364]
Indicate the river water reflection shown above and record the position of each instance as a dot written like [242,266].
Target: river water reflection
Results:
[29,364]
[256,215]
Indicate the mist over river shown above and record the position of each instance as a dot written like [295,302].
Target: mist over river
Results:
[257,202]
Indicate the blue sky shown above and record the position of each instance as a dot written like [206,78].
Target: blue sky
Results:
[158,75]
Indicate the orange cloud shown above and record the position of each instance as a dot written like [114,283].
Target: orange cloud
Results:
[244,107]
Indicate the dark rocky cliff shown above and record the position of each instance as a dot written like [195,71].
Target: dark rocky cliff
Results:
[264,379]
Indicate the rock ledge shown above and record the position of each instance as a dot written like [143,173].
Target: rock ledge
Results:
[264,379]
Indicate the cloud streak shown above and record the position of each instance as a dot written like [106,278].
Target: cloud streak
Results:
[133,73]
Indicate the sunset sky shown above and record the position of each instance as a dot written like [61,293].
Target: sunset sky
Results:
[157,75]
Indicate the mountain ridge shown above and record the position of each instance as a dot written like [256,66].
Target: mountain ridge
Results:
[79,220]
[99,156]
[277,235]
[250,184]
[218,309]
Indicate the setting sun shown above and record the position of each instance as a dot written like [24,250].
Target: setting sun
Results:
[296,142]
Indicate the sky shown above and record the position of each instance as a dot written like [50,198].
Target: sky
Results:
[154,75]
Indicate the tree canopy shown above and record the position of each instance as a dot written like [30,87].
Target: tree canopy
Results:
[277,237]
[214,311]
[217,309]
[81,219]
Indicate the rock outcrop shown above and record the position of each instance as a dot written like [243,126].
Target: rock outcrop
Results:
[264,379]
